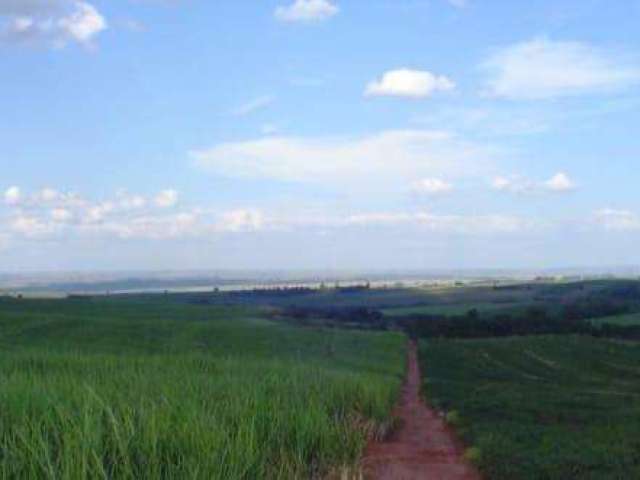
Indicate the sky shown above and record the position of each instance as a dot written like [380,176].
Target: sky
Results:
[318,134]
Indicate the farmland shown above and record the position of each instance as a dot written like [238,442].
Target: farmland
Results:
[540,380]
[558,407]
[129,389]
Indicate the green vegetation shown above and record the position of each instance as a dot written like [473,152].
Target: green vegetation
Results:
[149,388]
[556,407]
[291,383]
[450,309]
[383,298]
[632,319]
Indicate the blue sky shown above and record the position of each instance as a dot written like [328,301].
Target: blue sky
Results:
[181,134]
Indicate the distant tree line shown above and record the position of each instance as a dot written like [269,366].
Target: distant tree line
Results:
[353,317]
[533,321]
[572,318]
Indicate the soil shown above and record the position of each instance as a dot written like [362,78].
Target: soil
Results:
[423,447]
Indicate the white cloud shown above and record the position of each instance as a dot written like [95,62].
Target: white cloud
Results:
[432,186]
[83,23]
[49,212]
[13,196]
[462,224]
[542,68]
[114,218]
[617,220]
[243,220]
[98,213]
[511,184]
[52,197]
[306,11]
[254,105]
[166,198]
[409,83]
[386,160]
[42,198]
[558,183]
[31,226]
[154,226]
[50,23]
[129,201]
[61,215]
[48,195]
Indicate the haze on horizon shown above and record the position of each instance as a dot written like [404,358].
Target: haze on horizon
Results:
[318,134]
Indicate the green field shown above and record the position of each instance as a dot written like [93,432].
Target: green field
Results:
[152,389]
[622,320]
[245,385]
[541,407]
[451,309]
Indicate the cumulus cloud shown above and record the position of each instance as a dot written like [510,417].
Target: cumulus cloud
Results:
[50,23]
[558,183]
[543,68]
[409,83]
[306,11]
[12,196]
[113,218]
[31,226]
[432,186]
[166,198]
[83,23]
[45,197]
[387,160]
[50,196]
[50,212]
[98,213]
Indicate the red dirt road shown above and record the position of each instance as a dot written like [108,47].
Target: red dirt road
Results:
[424,448]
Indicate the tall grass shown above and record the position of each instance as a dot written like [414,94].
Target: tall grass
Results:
[228,398]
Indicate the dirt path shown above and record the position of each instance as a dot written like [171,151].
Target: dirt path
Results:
[424,447]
